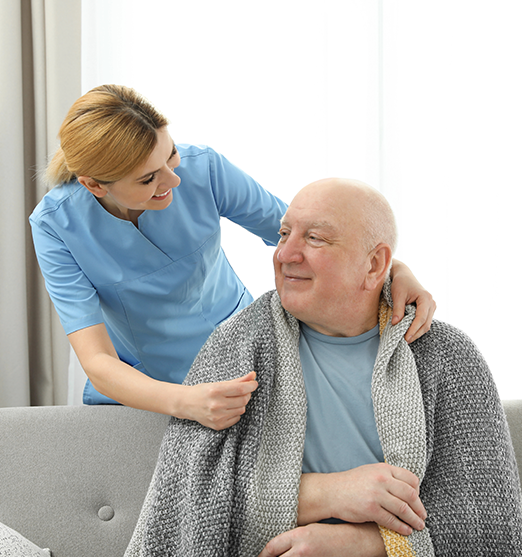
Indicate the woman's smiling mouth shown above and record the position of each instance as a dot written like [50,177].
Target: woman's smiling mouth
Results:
[161,196]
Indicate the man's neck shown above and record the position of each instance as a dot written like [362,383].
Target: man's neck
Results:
[352,327]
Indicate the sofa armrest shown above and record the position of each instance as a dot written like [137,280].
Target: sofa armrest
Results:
[513,410]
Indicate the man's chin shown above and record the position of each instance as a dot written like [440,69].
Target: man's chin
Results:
[292,305]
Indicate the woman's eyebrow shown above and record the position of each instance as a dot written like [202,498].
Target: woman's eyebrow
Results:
[146,175]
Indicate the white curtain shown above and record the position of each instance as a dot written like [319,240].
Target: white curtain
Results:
[420,99]
[39,79]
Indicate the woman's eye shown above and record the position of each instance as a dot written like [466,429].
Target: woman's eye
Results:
[149,180]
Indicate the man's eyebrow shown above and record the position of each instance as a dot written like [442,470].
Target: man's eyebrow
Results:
[174,151]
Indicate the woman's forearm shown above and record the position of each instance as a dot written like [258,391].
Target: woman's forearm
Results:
[215,405]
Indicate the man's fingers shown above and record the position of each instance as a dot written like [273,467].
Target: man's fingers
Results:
[403,499]
[277,546]
[405,476]
[404,513]
[391,522]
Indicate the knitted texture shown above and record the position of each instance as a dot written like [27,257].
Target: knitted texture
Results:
[438,414]
[227,493]
[13,544]
[399,416]
[471,487]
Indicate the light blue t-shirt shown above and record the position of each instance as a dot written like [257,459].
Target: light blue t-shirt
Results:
[163,287]
[340,431]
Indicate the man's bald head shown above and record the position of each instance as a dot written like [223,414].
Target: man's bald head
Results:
[360,203]
[337,239]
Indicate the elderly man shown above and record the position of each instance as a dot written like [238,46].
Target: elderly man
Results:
[355,443]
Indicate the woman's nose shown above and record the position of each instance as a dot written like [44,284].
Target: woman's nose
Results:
[175,180]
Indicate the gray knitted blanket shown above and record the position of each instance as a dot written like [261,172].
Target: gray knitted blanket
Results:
[228,493]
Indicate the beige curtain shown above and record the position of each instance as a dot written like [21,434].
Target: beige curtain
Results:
[40,77]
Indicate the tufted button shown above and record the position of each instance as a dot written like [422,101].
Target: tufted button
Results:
[106,513]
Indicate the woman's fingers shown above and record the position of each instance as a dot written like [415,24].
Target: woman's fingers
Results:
[221,405]
[426,307]
[236,387]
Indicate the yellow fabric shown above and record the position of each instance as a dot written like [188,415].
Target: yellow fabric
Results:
[395,544]
[385,314]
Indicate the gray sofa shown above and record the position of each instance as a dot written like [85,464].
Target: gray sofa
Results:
[73,478]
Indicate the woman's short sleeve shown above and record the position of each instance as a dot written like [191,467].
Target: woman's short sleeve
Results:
[72,294]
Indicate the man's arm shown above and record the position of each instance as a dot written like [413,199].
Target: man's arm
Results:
[379,493]
[328,540]
[471,488]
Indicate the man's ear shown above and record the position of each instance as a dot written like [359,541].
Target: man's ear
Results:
[97,189]
[379,260]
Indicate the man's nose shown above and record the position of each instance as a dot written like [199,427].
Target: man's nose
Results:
[289,251]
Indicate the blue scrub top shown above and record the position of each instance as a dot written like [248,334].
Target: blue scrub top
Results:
[163,287]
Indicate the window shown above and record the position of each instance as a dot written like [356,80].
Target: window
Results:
[421,100]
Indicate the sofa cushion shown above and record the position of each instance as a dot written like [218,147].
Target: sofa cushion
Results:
[13,544]
[73,478]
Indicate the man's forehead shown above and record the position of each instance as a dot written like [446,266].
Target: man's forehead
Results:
[316,224]
[324,214]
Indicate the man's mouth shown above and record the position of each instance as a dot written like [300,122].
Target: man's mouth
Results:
[295,278]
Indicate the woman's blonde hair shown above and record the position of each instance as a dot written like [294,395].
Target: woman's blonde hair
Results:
[107,133]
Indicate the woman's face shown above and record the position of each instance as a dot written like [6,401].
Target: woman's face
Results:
[149,187]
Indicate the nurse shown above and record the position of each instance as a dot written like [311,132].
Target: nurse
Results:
[129,245]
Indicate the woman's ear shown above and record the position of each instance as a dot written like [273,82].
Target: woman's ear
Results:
[379,260]
[97,189]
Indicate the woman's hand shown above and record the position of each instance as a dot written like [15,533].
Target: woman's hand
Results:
[381,493]
[406,289]
[328,540]
[218,405]
[215,405]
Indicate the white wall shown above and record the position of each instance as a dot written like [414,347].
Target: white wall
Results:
[421,100]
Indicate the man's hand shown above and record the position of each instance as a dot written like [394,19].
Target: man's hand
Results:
[406,289]
[379,493]
[219,405]
[328,540]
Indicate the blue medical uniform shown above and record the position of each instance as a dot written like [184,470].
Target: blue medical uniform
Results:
[163,287]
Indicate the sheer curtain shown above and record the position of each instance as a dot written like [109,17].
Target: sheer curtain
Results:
[420,100]
[39,79]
